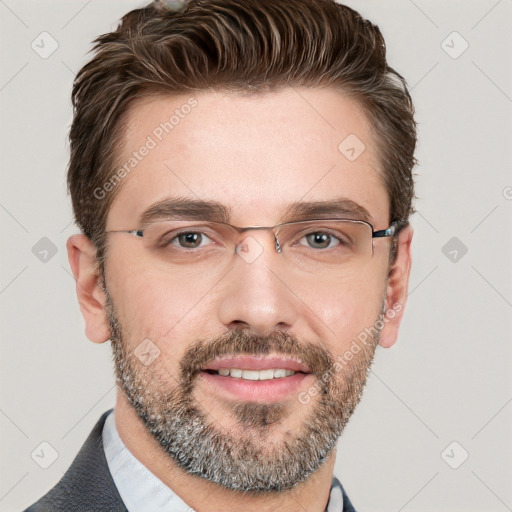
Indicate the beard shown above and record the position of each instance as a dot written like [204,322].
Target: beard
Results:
[247,457]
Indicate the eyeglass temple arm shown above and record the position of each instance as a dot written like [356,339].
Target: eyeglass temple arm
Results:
[393,230]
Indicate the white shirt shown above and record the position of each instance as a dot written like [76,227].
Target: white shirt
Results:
[141,490]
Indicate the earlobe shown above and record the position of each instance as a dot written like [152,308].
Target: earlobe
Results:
[397,289]
[92,299]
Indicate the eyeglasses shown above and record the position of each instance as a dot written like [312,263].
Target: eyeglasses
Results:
[311,245]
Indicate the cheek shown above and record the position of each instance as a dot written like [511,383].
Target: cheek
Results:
[152,304]
[350,306]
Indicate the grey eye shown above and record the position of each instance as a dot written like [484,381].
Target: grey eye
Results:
[321,240]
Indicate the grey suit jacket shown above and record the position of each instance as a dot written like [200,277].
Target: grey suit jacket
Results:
[88,486]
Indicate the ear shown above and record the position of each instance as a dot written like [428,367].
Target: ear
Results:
[92,299]
[397,289]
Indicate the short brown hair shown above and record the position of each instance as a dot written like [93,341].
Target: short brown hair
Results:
[233,45]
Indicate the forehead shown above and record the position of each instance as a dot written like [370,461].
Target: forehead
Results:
[256,154]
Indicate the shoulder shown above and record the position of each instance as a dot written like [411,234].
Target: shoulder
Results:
[87,484]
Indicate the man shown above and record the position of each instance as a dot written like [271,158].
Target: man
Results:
[242,175]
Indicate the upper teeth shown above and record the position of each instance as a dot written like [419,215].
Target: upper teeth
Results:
[256,374]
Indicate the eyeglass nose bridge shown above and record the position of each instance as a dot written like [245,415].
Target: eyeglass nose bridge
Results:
[273,229]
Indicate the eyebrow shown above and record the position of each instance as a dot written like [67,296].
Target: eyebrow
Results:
[339,207]
[183,208]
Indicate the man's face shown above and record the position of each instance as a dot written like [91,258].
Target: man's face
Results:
[255,156]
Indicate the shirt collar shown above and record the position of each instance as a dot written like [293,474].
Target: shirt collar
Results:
[150,493]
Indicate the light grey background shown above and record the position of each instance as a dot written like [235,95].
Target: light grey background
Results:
[447,379]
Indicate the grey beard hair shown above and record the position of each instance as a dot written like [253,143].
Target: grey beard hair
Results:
[245,458]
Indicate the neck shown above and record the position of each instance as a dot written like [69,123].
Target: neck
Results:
[202,495]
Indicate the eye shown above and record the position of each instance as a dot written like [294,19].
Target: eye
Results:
[190,240]
[321,240]
[184,240]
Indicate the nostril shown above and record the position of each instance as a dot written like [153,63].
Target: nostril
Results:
[239,324]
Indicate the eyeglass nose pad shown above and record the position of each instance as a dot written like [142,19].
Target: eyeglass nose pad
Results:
[278,245]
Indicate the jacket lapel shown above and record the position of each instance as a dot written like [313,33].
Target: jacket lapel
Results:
[87,484]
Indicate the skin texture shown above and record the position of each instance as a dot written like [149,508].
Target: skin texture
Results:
[255,155]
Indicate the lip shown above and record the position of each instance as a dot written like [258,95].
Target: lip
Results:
[258,363]
[272,390]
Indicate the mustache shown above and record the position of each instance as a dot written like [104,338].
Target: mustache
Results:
[243,342]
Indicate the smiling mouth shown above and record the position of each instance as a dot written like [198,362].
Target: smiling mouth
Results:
[250,367]
[254,378]
[268,374]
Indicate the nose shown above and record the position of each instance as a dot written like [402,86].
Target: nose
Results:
[256,294]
